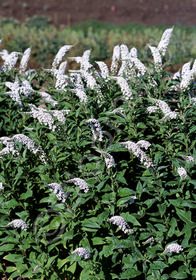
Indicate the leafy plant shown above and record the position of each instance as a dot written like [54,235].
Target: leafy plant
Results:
[97,168]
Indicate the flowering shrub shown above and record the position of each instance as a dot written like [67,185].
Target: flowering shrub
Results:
[97,168]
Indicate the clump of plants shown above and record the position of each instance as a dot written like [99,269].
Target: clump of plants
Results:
[97,167]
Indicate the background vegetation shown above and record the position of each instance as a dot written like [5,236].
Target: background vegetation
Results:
[44,39]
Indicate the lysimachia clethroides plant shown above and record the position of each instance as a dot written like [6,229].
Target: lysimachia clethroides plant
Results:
[97,176]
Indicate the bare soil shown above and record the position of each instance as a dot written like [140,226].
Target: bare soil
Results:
[68,12]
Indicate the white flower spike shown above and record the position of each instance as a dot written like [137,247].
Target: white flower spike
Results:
[121,223]
[173,248]
[18,223]
[80,183]
[82,252]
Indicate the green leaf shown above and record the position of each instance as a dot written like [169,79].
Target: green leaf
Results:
[72,268]
[179,275]
[10,269]
[120,177]
[107,251]
[139,189]
[91,223]
[130,273]
[162,208]
[192,253]
[173,224]
[14,257]
[7,247]
[61,263]
[125,192]
[141,125]
[157,265]
[18,175]
[185,217]
[15,274]
[98,241]
[27,194]
[130,219]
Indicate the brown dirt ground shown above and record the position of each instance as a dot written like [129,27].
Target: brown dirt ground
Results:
[68,12]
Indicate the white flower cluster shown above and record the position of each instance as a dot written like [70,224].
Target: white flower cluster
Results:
[79,88]
[26,141]
[193,100]
[137,63]
[90,80]
[58,191]
[144,144]
[21,138]
[82,252]
[26,88]
[121,223]
[125,65]
[60,55]
[61,79]
[82,95]
[1,186]
[104,69]
[17,89]
[189,158]
[95,129]
[152,109]
[18,223]
[163,106]
[157,58]
[174,247]
[149,240]
[14,93]
[160,50]
[30,144]
[58,71]
[10,146]
[163,44]
[59,114]
[109,160]
[61,82]
[83,60]
[24,60]
[115,59]
[176,76]
[80,183]
[47,97]
[182,172]
[9,59]
[124,87]
[46,116]
[187,74]
[135,148]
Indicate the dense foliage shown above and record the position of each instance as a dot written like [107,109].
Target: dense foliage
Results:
[97,168]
